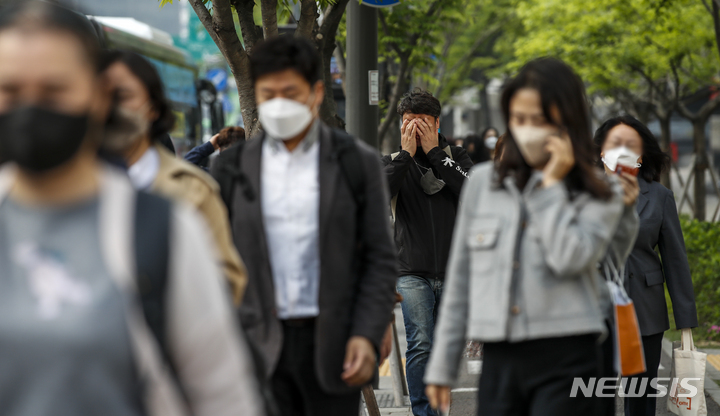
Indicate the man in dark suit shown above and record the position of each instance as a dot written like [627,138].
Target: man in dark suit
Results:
[317,245]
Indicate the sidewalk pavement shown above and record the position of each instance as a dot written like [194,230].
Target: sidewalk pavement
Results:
[464,394]
[384,395]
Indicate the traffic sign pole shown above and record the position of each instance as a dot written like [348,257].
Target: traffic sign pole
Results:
[362,50]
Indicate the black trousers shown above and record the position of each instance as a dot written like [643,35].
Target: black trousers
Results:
[295,384]
[645,406]
[607,404]
[535,378]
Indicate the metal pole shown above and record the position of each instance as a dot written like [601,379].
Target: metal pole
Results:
[362,50]
[396,370]
[369,397]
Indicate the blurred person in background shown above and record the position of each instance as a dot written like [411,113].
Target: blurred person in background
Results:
[645,273]
[425,179]
[151,167]
[476,149]
[80,334]
[490,138]
[309,214]
[522,274]
[199,155]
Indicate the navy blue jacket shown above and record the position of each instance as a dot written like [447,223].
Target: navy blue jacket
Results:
[646,273]
[199,153]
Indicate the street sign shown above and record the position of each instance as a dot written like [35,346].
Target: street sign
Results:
[219,78]
[374,87]
[380,3]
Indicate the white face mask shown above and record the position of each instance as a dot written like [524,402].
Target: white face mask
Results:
[620,156]
[491,142]
[283,118]
[531,141]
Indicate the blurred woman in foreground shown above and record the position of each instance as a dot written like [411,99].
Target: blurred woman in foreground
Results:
[73,338]
[522,273]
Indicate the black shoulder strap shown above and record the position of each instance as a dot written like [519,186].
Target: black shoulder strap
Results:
[351,165]
[152,253]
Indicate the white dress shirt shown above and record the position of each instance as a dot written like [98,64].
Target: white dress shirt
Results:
[143,172]
[290,197]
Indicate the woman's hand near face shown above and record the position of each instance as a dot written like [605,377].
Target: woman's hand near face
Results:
[562,159]
[631,188]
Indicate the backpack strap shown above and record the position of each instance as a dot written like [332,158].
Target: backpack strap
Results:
[228,173]
[348,156]
[152,254]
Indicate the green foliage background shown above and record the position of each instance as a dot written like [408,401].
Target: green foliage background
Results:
[702,240]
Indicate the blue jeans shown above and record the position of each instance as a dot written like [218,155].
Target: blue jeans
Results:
[420,305]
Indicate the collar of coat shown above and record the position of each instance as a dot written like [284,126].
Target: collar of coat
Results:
[172,167]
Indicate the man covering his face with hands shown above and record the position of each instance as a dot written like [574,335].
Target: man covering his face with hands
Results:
[425,179]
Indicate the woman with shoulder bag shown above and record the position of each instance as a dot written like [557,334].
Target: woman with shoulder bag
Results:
[522,275]
[625,144]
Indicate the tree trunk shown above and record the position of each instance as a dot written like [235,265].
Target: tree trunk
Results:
[328,109]
[246,92]
[485,117]
[221,28]
[701,165]
[665,140]
[268,9]
[325,39]
[397,92]
[699,120]
[716,24]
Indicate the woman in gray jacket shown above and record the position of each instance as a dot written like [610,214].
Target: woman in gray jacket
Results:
[522,274]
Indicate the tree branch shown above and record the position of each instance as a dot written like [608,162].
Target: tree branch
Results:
[716,22]
[707,6]
[434,8]
[308,18]
[386,31]
[205,18]
[651,83]
[478,43]
[251,33]
[332,17]
[707,109]
[268,8]
[397,91]
[442,66]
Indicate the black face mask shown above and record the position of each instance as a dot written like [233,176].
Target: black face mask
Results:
[38,139]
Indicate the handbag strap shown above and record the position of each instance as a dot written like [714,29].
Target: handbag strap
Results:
[687,343]
[612,272]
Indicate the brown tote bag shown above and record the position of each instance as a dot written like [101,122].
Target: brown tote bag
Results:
[629,353]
